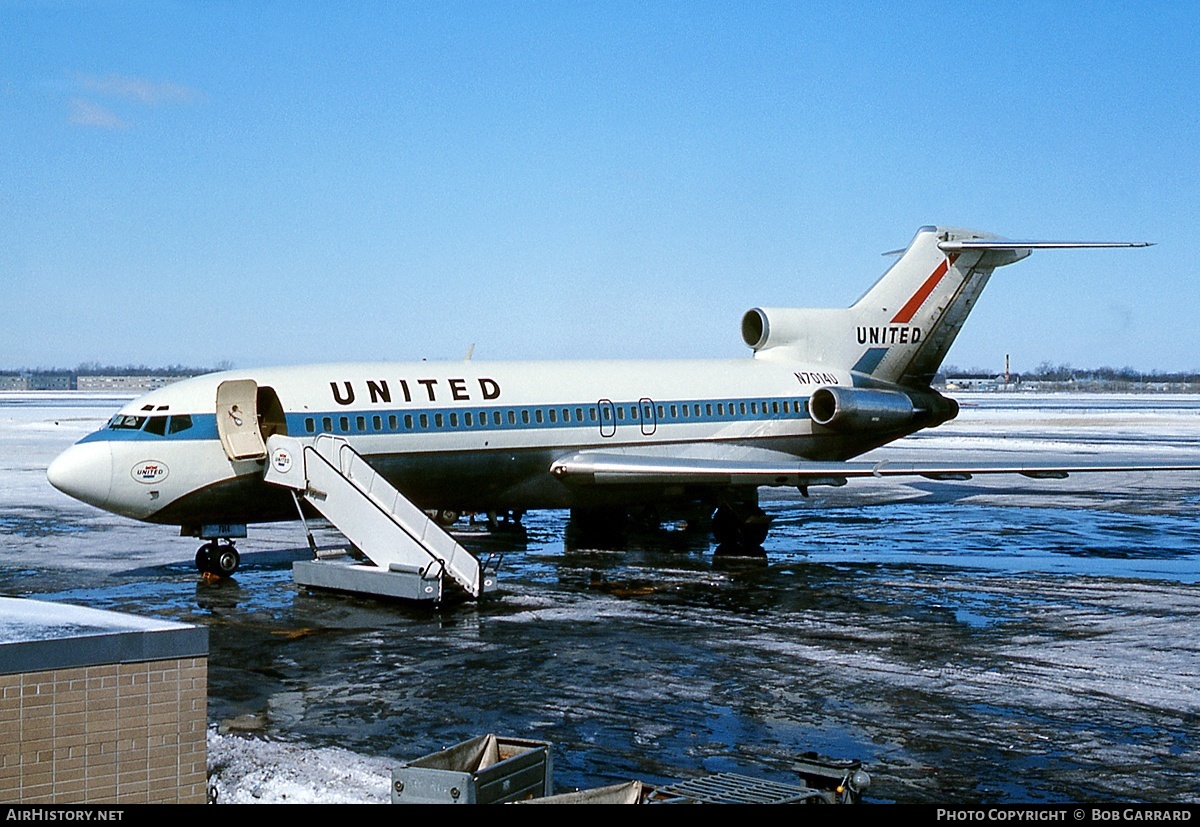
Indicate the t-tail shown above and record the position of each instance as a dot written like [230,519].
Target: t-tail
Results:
[899,332]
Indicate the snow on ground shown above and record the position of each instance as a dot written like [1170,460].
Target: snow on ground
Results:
[248,770]
[1103,661]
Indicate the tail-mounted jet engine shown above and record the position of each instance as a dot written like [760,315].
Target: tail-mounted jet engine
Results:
[865,409]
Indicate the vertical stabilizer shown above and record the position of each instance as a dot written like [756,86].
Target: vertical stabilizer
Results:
[904,325]
[901,329]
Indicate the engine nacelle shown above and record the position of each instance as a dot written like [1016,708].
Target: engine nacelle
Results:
[860,409]
[769,327]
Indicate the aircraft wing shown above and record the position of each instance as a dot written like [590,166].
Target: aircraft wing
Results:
[660,468]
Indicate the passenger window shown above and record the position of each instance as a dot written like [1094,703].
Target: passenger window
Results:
[566,412]
[553,416]
[408,422]
[393,423]
[633,412]
[538,415]
[579,414]
[685,411]
[345,423]
[157,425]
[753,407]
[592,414]
[377,423]
[708,409]
[361,422]
[468,419]
[720,409]
[454,420]
[660,412]
[180,423]
[424,420]
[620,412]
[774,407]
[496,417]
[310,425]
[512,417]
[327,425]
[437,420]
[785,406]
[742,408]
[525,417]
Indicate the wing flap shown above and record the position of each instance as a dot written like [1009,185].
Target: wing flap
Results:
[600,468]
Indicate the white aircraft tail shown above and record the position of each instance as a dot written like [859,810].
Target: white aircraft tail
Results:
[901,329]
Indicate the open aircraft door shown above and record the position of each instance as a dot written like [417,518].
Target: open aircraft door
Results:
[237,419]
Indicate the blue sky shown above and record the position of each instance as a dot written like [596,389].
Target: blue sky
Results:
[278,183]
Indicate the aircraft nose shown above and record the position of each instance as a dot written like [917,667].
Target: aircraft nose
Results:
[84,471]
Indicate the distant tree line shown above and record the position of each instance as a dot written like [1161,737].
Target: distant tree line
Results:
[1050,372]
[97,369]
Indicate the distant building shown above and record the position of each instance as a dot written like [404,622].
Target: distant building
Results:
[127,382]
[983,382]
[972,382]
[13,382]
[52,381]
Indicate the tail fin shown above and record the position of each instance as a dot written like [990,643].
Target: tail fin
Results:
[901,329]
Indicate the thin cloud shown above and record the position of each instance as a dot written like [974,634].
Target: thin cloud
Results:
[88,113]
[148,92]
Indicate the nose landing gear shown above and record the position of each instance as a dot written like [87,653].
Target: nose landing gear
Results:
[218,557]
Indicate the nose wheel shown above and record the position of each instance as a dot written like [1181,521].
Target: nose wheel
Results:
[219,558]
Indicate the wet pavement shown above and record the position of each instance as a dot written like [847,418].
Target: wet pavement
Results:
[989,641]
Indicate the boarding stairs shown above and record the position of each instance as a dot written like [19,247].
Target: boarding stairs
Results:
[396,535]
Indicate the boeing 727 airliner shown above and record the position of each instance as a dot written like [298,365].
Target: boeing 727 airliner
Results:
[597,437]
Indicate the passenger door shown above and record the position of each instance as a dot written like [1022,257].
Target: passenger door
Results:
[237,419]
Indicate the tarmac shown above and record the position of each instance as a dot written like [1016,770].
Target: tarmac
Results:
[994,641]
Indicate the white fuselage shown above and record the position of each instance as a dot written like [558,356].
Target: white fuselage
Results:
[465,435]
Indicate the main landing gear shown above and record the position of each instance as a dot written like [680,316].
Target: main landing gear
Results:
[218,557]
[739,528]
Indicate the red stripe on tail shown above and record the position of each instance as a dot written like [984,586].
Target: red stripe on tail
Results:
[918,298]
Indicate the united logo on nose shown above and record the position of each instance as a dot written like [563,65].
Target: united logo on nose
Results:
[150,471]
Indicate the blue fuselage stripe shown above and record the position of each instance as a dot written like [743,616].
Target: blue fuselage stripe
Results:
[603,416]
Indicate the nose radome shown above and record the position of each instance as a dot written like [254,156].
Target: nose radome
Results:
[84,471]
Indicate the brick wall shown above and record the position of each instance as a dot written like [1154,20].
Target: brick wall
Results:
[116,733]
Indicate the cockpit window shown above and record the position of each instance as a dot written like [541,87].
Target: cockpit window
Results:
[180,423]
[157,425]
[124,421]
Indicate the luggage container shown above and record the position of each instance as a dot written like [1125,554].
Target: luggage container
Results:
[484,770]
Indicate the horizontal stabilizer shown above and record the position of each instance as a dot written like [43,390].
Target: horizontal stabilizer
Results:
[1008,244]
